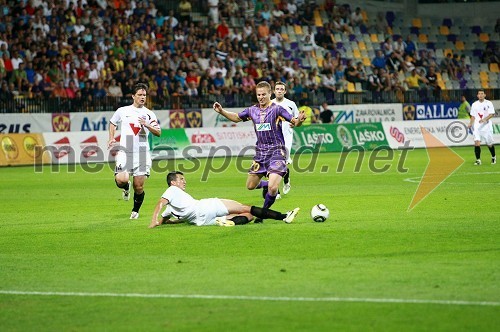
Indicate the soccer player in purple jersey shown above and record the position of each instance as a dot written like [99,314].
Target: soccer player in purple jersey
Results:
[271,155]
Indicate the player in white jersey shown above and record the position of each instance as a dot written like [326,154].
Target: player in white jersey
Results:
[481,112]
[133,157]
[291,107]
[182,207]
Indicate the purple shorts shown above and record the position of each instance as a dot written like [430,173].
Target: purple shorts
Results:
[268,164]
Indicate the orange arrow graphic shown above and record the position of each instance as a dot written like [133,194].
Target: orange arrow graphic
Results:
[442,163]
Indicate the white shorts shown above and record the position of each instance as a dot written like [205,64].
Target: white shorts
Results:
[485,136]
[207,210]
[288,136]
[136,163]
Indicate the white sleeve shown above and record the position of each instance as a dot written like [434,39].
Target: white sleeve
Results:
[153,120]
[491,108]
[295,110]
[116,118]
[473,110]
[169,193]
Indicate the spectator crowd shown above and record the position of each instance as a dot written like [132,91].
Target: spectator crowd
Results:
[92,49]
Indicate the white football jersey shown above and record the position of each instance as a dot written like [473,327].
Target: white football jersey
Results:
[285,126]
[481,110]
[181,205]
[133,135]
[292,109]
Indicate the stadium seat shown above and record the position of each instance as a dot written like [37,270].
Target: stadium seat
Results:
[477,53]
[444,30]
[374,38]
[390,16]
[364,14]
[414,30]
[485,85]
[423,38]
[447,22]
[460,45]
[483,76]
[351,87]
[455,30]
[298,30]
[484,37]
[484,67]
[318,22]
[476,29]
[366,61]
[416,22]
[358,87]
[494,67]
[362,45]
[452,38]
[356,53]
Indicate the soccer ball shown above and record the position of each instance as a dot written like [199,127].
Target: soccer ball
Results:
[319,213]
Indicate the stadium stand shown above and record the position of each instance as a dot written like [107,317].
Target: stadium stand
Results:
[85,55]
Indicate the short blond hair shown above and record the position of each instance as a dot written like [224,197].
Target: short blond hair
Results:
[263,84]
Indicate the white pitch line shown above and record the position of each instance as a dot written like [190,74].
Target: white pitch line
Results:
[256,298]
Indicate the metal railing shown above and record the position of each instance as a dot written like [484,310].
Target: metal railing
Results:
[61,105]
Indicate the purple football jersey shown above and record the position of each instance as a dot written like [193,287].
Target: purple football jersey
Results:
[270,146]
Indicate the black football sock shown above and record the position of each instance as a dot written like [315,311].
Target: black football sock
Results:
[138,199]
[266,213]
[286,178]
[240,220]
[125,186]
[492,150]
[477,151]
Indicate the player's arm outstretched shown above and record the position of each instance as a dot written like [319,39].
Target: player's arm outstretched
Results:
[228,115]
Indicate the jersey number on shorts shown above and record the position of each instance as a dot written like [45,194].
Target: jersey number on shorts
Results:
[255,166]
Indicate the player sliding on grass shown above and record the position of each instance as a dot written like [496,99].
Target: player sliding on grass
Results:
[271,154]
[182,207]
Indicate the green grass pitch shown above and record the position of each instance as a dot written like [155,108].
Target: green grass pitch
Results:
[372,266]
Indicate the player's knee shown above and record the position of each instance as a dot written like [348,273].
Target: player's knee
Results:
[251,186]
[138,188]
[122,178]
[273,190]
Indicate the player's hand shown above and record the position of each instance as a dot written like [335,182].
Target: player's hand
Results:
[302,116]
[111,143]
[154,223]
[142,121]
[217,107]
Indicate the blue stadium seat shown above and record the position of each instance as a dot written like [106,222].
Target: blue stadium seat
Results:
[476,29]
[448,22]
[390,16]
